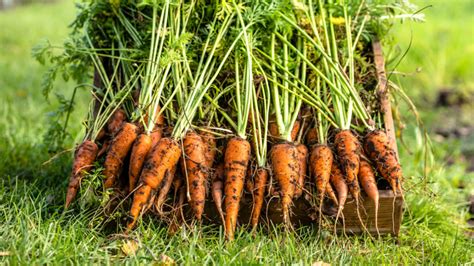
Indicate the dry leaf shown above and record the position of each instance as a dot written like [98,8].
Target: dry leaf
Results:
[129,247]
[4,253]
[166,261]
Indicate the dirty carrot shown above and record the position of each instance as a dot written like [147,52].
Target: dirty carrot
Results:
[312,136]
[161,160]
[377,147]
[337,180]
[118,150]
[284,157]
[195,162]
[302,159]
[83,159]
[115,122]
[218,189]
[236,159]
[348,150]
[320,163]
[140,149]
[368,183]
[164,189]
[258,192]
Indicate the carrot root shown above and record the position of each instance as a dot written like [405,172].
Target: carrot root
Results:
[140,150]
[84,158]
[236,159]
[195,162]
[285,165]
[118,150]
[161,160]
[258,193]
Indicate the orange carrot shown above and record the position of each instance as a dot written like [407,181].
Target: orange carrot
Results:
[83,161]
[177,182]
[274,132]
[118,150]
[320,164]
[330,193]
[258,195]
[161,160]
[348,150]
[368,183]
[104,148]
[140,149]
[284,157]
[195,162]
[211,149]
[218,189]
[302,159]
[295,130]
[164,189]
[157,132]
[236,159]
[115,122]
[312,136]
[337,179]
[377,147]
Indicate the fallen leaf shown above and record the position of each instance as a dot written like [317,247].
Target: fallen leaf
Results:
[129,247]
[166,261]
[4,253]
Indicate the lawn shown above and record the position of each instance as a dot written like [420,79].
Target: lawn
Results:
[34,229]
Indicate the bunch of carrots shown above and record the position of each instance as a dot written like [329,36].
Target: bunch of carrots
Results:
[196,104]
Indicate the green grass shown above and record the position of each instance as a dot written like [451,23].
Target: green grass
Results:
[35,230]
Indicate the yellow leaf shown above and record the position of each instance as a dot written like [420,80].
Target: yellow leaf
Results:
[129,247]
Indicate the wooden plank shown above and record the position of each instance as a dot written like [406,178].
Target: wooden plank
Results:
[389,215]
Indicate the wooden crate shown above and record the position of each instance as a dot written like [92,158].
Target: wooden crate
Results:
[390,206]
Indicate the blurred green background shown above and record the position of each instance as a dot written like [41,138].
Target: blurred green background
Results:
[437,72]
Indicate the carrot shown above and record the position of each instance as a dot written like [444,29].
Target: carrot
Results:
[156,135]
[236,159]
[348,150]
[337,179]
[312,136]
[273,130]
[211,149]
[218,189]
[140,149]
[295,130]
[368,183]
[118,150]
[284,157]
[157,132]
[115,122]
[83,159]
[177,182]
[302,159]
[320,163]
[164,189]
[104,148]
[195,162]
[330,193]
[258,193]
[161,160]
[249,182]
[377,147]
